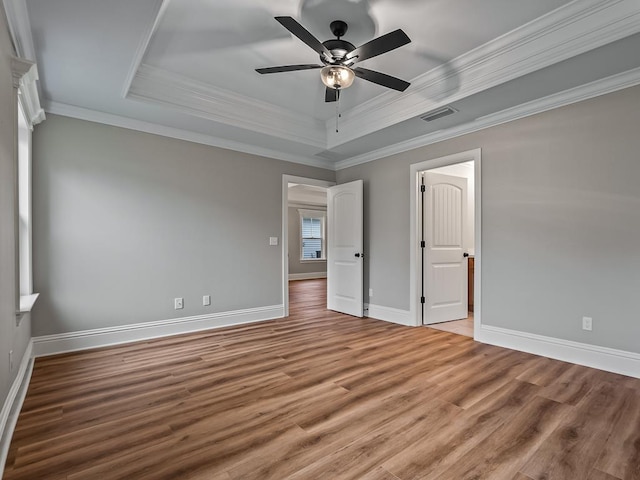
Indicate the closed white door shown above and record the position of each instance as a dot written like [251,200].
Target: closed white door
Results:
[344,248]
[445,265]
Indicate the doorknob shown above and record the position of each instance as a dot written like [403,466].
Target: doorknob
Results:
[465,254]
[360,255]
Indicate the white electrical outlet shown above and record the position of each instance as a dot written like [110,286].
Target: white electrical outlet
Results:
[371,292]
[178,303]
[587,323]
[206,300]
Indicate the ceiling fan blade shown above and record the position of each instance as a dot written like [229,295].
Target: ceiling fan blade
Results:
[381,79]
[287,68]
[379,45]
[331,95]
[303,34]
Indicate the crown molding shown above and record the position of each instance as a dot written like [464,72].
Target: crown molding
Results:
[144,45]
[25,75]
[575,28]
[80,113]
[200,99]
[20,28]
[610,84]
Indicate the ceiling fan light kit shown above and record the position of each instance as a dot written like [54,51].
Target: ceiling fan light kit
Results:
[338,77]
[338,57]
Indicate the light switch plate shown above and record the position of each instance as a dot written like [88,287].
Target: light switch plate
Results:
[273,240]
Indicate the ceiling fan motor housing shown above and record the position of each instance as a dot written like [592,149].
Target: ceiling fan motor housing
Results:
[339,49]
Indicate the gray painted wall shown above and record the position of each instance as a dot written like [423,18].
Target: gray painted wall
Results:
[12,337]
[295,266]
[560,221]
[125,221]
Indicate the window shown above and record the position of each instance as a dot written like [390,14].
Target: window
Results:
[24,203]
[312,234]
[29,113]
[27,297]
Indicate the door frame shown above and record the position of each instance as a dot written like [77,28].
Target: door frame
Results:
[286,180]
[415,227]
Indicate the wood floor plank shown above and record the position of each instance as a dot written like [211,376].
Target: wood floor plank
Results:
[599,475]
[573,448]
[320,395]
[621,454]
[368,452]
[572,386]
[447,446]
[521,476]
[502,453]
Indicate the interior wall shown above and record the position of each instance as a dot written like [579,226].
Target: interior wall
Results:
[560,221]
[13,338]
[124,222]
[295,265]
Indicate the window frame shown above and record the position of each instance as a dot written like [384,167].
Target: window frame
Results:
[322,215]
[24,203]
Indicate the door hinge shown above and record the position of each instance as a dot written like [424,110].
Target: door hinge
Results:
[421,299]
[423,188]
[423,244]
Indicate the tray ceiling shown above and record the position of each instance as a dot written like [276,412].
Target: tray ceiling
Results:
[186,68]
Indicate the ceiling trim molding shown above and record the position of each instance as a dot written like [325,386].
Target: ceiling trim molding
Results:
[80,113]
[200,99]
[143,46]
[25,75]
[607,85]
[576,28]
[20,28]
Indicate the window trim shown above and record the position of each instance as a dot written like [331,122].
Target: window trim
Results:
[322,215]
[27,104]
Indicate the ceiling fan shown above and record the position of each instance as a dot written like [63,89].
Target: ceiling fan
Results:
[338,57]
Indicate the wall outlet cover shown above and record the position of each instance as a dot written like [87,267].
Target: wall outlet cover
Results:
[178,303]
[206,300]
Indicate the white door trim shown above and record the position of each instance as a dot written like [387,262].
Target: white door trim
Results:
[415,224]
[286,179]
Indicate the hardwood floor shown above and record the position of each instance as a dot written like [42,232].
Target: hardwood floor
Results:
[321,395]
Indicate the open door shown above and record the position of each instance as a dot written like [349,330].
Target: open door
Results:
[344,248]
[445,263]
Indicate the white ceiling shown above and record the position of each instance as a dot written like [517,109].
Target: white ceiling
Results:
[185,68]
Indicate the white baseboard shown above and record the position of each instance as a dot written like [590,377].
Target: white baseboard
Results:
[13,403]
[102,337]
[388,314]
[307,276]
[603,358]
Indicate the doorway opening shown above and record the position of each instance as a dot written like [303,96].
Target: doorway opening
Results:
[445,237]
[304,206]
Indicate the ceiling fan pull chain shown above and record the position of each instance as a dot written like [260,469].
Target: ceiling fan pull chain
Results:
[337,108]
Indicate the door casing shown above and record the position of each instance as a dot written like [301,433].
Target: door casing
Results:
[286,179]
[415,224]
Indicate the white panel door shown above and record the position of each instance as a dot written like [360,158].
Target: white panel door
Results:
[344,248]
[445,265]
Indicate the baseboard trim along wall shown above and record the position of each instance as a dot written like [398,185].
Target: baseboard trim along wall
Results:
[602,358]
[103,337]
[307,276]
[388,314]
[13,403]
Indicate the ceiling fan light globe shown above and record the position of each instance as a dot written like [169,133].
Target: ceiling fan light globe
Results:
[337,76]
